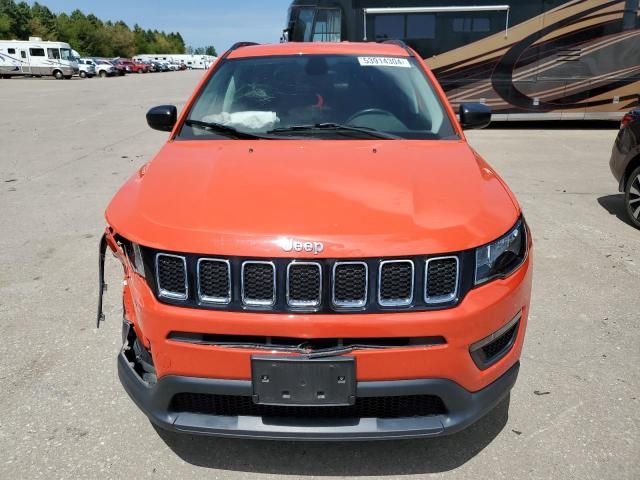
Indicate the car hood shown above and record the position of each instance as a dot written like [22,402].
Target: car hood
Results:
[360,198]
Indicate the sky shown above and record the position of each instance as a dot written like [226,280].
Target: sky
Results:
[220,23]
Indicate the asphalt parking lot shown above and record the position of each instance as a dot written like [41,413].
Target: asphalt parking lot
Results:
[65,148]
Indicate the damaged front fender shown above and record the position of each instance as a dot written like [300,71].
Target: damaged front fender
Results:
[107,240]
[102,286]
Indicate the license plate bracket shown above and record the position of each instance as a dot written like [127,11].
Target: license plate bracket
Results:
[303,382]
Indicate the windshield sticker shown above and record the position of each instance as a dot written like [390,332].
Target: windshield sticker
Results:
[384,62]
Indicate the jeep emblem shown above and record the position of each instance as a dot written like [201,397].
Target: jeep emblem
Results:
[290,245]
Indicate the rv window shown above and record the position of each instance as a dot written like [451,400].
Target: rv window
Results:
[53,53]
[23,54]
[468,24]
[12,50]
[481,24]
[421,26]
[304,25]
[36,52]
[327,27]
[389,27]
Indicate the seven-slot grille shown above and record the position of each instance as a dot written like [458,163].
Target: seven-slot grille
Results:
[214,281]
[323,285]
[350,284]
[258,283]
[396,283]
[441,280]
[304,284]
[172,276]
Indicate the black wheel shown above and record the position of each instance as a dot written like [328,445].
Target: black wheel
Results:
[632,197]
[58,74]
[102,74]
[83,75]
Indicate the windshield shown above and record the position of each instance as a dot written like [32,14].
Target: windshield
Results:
[65,54]
[272,95]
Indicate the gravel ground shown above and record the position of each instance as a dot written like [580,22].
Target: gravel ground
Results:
[66,146]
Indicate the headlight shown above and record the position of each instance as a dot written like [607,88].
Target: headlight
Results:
[502,257]
[135,258]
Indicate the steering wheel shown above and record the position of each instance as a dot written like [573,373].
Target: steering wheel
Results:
[368,112]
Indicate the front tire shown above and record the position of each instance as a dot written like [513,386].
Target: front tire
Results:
[58,74]
[102,74]
[83,75]
[632,197]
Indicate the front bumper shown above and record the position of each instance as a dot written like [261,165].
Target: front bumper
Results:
[463,408]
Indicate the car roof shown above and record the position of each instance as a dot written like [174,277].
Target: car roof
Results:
[320,48]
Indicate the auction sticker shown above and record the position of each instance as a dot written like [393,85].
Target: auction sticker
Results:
[384,62]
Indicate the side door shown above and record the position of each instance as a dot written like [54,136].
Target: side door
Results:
[25,63]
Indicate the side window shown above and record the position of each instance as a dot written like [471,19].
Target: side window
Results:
[11,51]
[53,53]
[328,25]
[23,54]
[36,52]
[410,26]
[481,24]
[421,26]
[389,27]
[471,24]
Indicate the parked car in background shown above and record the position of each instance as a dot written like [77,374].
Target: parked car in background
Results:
[150,65]
[142,67]
[131,66]
[625,163]
[159,66]
[119,68]
[164,65]
[104,68]
[87,68]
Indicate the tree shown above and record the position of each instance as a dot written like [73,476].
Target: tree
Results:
[86,33]
[21,18]
[210,50]
[43,22]
[6,26]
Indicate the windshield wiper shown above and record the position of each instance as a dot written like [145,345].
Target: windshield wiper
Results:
[372,132]
[222,129]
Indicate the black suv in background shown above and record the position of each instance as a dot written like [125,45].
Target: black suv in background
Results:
[625,163]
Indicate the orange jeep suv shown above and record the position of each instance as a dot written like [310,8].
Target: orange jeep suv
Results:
[317,253]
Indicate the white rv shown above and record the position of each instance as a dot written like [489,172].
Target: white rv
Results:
[36,58]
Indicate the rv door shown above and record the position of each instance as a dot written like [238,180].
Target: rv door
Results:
[25,65]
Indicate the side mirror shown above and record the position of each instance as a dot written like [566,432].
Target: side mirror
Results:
[162,118]
[474,115]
